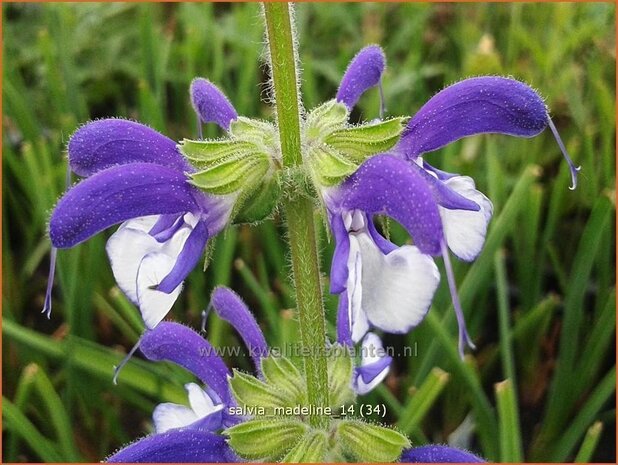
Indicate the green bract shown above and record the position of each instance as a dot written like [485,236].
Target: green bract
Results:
[266,439]
[334,150]
[248,164]
[370,443]
[312,448]
[279,428]
[245,165]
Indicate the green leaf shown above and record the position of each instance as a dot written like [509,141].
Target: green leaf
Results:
[232,175]
[57,415]
[422,400]
[360,142]
[371,443]
[20,425]
[251,392]
[283,374]
[311,448]
[508,417]
[589,443]
[587,413]
[265,439]
[98,361]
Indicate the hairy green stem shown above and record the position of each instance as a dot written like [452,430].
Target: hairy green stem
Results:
[298,209]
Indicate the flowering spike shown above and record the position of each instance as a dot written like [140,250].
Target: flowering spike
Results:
[125,360]
[211,105]
[464,338]
[572,168]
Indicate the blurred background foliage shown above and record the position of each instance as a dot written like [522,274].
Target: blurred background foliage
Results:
[540,299]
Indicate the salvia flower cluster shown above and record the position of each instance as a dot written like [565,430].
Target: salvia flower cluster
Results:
[171,198]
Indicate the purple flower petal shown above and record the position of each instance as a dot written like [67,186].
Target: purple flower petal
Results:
[211,104]
[438,454]
[474,106]
[187,259]
[387,185]
[166,226]
[118,194]
[369,372]
[108,142]
[232,309]
[445,196]
[364,72]
[375,364]
[344,335]
[383,244]
[339,266]
[177,446]
[183,346]
[442,175]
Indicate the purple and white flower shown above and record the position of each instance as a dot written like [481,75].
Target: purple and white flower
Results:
[137,177]
[388,287]
[191,433]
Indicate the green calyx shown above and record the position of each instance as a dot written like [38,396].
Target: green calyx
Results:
[334,149]
[279,429]
[248,163]
[365,442]
[245,165]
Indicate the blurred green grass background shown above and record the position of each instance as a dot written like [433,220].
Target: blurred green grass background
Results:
[540,300]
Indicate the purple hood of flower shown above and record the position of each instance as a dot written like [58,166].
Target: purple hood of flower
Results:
[435,453]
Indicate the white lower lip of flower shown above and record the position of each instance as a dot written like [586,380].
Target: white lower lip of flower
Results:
[139,263]
[396,289]
[168,415]
[465,230]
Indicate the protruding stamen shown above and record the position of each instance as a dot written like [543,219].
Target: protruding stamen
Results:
[205,314]
[574,169]
[125,360]
[47,306]
[464,338]
[382,100]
